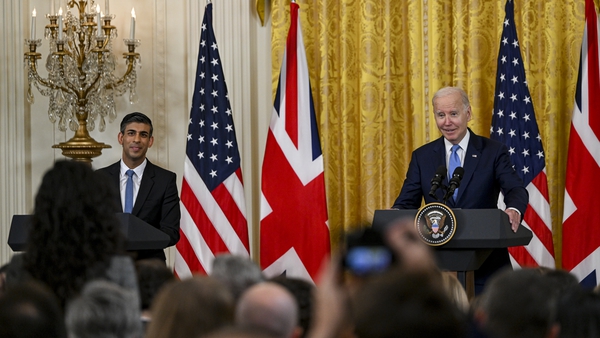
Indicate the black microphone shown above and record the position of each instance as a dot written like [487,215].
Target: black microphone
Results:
[436,181]
[454,182]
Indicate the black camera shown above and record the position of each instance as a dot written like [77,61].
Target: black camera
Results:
[367,253]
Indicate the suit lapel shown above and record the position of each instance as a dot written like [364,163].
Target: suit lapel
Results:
[114,172]
[145,187]
[439,159]
[439,154]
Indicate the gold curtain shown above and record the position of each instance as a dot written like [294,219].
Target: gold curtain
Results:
[374,65]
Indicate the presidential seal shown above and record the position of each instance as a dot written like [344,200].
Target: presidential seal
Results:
[435,223]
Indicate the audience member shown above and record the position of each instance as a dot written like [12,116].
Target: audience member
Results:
[104,310]
[406,303]
[31,310]
[562,280]
[410,251]
[74,234]
[3,270]
[238,332]
[330,316]
[190,308]
[520,303]
[302,291]
[271,307]
[152,275]
[578,314]
[455,290]
[236,272]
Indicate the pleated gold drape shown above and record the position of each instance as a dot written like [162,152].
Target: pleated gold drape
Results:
[374,65]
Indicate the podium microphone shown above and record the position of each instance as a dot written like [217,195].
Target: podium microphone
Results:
[436,181]
[454,182]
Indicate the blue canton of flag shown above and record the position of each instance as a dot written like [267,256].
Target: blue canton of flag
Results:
[514,121]
[212,145]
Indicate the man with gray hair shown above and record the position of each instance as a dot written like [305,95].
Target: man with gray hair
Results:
[481,168]
[104,309]
[270,307]
[237,273]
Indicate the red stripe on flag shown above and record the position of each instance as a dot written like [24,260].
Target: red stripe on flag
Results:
[593,66]
[540,229]
[291,84]
[189,256]
[203,223]
[238,173]
[233,213]
[522,256]
[541,183]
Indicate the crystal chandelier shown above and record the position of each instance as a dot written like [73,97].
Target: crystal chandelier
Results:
[81,83]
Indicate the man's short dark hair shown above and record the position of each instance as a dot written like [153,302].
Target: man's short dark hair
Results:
[136,117]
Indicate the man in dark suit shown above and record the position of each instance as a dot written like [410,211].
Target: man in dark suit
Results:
[152,190]
[487,171]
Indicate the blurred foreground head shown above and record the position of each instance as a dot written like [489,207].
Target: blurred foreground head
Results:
[519,303]
[405,303]
[189,308]
[412,253]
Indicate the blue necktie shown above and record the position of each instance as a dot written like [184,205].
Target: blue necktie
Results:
[129,192]
[453,164]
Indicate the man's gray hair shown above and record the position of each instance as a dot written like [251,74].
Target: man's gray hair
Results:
[104,309]
[452,90]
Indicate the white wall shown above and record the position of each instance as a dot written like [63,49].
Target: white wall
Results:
[169,32]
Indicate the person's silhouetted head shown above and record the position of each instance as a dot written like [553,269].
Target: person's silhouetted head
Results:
[31,310]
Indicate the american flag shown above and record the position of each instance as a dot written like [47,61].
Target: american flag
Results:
[294,235]
[213,216]
[581,243]
[514,124]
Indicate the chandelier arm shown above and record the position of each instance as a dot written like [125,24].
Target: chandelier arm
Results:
[121,81]
[44,82]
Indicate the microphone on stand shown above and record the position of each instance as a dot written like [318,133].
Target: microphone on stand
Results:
[437,179]
[454,182]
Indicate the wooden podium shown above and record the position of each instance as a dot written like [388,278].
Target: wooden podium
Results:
[478,233]
[139,234]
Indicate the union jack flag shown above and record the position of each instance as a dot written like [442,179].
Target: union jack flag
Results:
[514,124]
[294,235]
[213,213]
[581,243]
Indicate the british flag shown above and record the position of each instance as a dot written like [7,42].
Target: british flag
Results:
[581,243]
[294,235]
[514,124]
[213,209]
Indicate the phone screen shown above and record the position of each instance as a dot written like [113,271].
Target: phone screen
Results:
[363,260]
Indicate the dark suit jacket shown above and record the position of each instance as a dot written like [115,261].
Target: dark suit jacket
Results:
[157,202]
[488,170]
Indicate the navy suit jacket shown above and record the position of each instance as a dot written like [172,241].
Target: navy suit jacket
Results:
[488,170]
[157,202]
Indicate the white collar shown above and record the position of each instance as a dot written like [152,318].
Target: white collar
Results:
[463,143]
[139,170]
